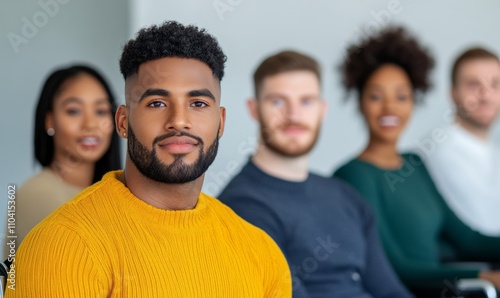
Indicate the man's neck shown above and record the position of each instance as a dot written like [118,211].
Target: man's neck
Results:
[283,167]
[161,195]
[480,132]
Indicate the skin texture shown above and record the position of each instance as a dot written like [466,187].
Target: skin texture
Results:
[289,111]
[83,123]
[173,108]
[386,105]
[476,95]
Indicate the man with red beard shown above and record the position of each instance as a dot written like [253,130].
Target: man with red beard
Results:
[465,164]
[325,230]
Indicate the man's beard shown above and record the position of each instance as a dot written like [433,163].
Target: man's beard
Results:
[287,150]
[467,117]
[148,163]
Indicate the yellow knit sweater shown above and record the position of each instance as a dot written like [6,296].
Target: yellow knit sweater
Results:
[106,242]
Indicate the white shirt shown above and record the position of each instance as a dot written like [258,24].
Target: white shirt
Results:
[466,170]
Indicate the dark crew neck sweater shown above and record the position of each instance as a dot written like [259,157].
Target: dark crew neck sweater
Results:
[325,230]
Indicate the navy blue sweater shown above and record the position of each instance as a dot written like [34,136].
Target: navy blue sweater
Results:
[325,230]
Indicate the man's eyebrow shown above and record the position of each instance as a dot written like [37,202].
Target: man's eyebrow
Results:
[274,95]
[202,92]
[151,92]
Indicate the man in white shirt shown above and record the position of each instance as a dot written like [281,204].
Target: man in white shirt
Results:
[466,165]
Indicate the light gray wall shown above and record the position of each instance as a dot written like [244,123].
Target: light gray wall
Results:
[90,31]
[250,30]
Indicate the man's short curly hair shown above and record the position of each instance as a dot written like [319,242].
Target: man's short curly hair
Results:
[172,39]
[392,45]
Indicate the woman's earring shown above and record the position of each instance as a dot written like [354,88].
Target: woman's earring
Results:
[51,131]
[124,134]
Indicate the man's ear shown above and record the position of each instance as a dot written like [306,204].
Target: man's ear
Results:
[222,123]
[121,121]
[252,106]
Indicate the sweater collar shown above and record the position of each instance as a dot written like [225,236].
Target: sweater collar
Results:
[172,218]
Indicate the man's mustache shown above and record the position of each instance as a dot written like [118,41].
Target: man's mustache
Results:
[177,134]
[294,125]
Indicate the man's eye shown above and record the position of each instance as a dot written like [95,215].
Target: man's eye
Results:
[278,102]
[307,101]
[199,104]
[156,104]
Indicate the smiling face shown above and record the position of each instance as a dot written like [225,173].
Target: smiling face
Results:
[289,110]
[173,119]
[477,92]
[387,103]
[82,120]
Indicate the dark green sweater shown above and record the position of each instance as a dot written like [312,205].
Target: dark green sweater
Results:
[412,220]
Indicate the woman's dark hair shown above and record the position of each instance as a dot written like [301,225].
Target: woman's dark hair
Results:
[44,144]
[392,45]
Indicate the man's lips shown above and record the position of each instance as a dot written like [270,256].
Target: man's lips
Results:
[178,144]
[178,140]
[294,129]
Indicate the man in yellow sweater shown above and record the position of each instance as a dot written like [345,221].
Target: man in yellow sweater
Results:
[149,231]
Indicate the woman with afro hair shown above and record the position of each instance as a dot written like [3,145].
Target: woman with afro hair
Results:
[389,72]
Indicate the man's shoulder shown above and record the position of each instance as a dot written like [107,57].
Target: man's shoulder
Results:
[337,190]
[91,198]
[240,185]
[234,222]
[326,182]
[332,185]
[86,205]
[224,213]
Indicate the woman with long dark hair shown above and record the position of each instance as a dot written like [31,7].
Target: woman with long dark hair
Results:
[74,141]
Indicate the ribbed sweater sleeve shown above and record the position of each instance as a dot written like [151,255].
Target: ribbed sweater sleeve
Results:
[70,270]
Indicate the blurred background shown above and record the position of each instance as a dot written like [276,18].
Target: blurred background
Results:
[38,36]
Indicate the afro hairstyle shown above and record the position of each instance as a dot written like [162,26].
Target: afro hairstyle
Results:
[392,45]
[172,39]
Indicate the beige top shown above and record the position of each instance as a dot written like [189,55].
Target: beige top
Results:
[38,197]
